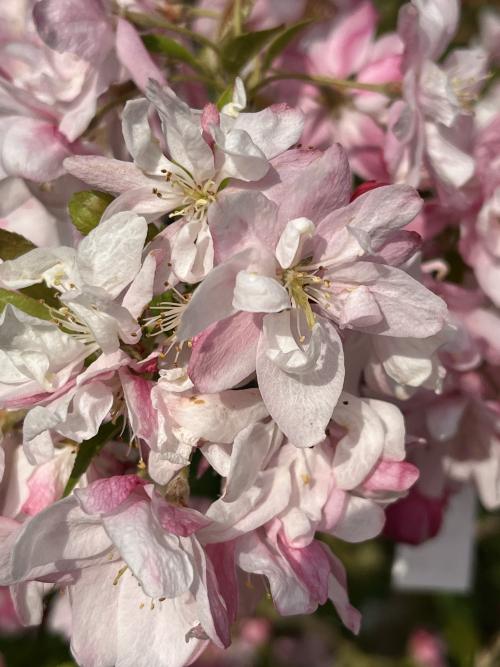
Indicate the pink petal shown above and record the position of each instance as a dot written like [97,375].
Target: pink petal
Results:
[46,484]
[346,47]
[409,308]
[210,116]
[105,495]
[33,149]
[337,592]
[222,558]
[203,310]
[133,55]
[370,218]
[414,519]
[182,521]
[156,558]
[391,476]
[137,394]
[399,247]
[333,509]
[240,220]
[318,189]
[212,612]
[107,174]
[224,354]
[72,26]
[311,566]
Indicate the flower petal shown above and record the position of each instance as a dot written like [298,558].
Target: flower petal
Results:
[223,355]
[273,130]
[259,294]
[106,173]
[301,402]
[110,256]
[139,138]
[134,56]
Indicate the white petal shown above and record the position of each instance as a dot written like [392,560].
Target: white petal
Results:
[238,156]
[250,449]
[356,452]
[301,401]
[139,139]
[110,256]
[363,519]
[259,294]
[182,129]
[291,242]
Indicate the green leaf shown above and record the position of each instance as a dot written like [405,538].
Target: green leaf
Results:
[236,52]
[281,41]
[169,47]
[86,209]
[86,452]
[13,245]
[25,303]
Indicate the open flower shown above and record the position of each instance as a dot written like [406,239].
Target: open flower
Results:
[284,303]
[89,280]
[203,149]
[48,98]
[430,130]
[132,536]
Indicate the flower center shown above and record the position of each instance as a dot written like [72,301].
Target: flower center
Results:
[169,315]
[305,287]
[195,198]
[74,326]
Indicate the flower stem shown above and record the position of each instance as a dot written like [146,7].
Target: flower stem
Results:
[237,27]
[391,88]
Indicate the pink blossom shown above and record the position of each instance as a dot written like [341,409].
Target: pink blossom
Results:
[188,181]
[268,294]
[49,100]
[430,130]
[341,48]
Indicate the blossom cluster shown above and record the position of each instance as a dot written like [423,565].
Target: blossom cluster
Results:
[249,281]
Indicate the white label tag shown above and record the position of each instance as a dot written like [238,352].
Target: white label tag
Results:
[445,562]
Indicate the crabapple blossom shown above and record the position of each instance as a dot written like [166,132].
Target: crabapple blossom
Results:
[204,149]
[232,355]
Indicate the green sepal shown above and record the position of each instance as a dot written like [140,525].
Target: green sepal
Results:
[166,46]
[25,303]
[86,209]
[88,450]
[41,292]
[13,245]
